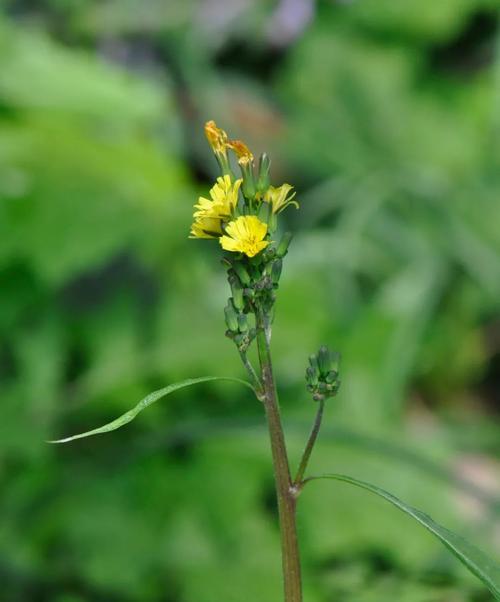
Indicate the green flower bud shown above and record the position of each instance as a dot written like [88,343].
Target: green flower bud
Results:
[242,322]
[313,362]
[268,255]
[332,376]
[239,339]
[243,275]
[248,186]
[237,291]
[324,360]
[311,376]
[335,361]
[264,212]
[282,249]
[263,180]
[231,316]
[272,222]
[276,268]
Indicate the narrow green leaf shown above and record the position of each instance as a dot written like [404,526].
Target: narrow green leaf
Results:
[146,402]
[485,568]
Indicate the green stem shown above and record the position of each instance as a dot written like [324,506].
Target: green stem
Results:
[286,493]
[253,375]
[310,444]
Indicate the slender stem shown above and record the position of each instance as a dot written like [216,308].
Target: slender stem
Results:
[286,493]
[253,375]
[310,444]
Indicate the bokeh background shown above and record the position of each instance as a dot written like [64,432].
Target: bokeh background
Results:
[385,115]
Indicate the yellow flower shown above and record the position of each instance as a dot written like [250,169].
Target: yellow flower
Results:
[278,197]
[245,235]
[224,195]
[217,138]
[206,227]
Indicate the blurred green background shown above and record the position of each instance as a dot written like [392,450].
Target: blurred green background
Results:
[385,115]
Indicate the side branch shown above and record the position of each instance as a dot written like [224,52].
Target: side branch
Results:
[253,375]
[310,445]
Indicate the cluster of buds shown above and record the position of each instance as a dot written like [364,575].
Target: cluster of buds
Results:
[253,283]
[322,374]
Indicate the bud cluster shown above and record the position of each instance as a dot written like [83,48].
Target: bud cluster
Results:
[322,374]
[253,283]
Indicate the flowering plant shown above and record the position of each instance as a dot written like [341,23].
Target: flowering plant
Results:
[243,215]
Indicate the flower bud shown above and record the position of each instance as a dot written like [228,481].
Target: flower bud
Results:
[322,376]
[322,387]
[324,360]
[335,361]
[239,339]
[231,316]
[240,270]
[313,362]
[272,223]
[264,212]
[331,377]
[311,376]
[282,249]
[248,186]
[237,292]
[276,267]
[263,180]
[242,322]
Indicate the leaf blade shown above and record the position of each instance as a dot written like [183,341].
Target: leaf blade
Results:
[483,567]
[146,402]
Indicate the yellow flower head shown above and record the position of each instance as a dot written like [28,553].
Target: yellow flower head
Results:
[242,151]
[224,195]
[280,198]
[206,227]
[217,138]
[245,235]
